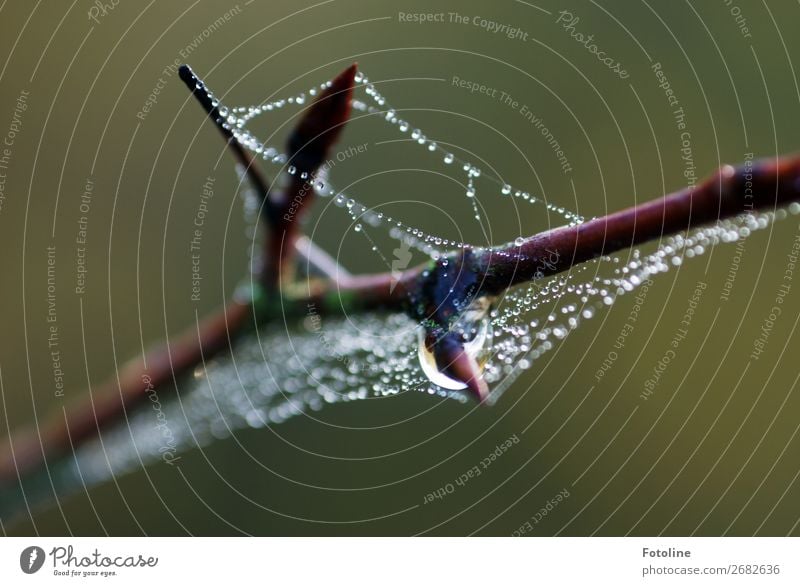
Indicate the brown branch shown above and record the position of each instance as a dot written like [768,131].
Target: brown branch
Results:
[774,183]
[133,384]
[308,147]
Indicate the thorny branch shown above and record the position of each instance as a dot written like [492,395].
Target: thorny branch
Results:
[430,293]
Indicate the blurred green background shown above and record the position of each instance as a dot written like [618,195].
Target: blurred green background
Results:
[713,451]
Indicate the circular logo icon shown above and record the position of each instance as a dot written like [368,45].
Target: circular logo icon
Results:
[31,559]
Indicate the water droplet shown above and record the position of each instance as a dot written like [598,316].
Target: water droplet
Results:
[506,189]
[477,344]
[519,241]
[449,158]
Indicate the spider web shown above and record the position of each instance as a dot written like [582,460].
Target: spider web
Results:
[298,370]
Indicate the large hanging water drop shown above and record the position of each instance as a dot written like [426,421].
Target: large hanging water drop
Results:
[476,335]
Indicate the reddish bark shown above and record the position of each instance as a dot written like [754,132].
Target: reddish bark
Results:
[774,183]
[308,147]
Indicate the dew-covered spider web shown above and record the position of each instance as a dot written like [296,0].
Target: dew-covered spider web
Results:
[298,368]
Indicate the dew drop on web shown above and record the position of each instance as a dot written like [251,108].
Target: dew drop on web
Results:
[477,344]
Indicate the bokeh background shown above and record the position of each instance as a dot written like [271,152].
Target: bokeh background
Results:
[713,451]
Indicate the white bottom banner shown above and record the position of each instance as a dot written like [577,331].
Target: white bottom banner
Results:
[400,561]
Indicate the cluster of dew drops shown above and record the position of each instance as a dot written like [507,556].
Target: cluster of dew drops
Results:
[528,321]
[375,104]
